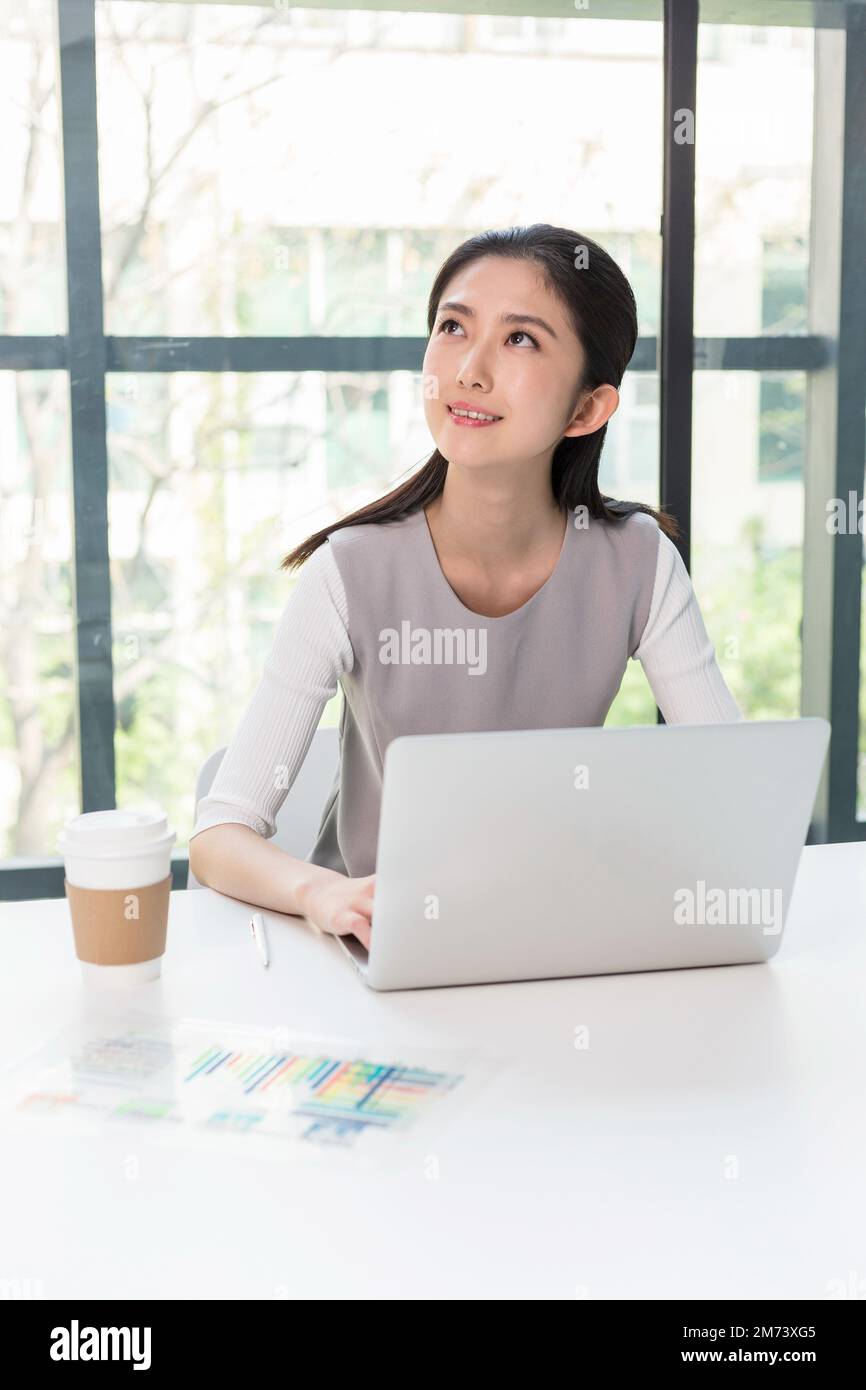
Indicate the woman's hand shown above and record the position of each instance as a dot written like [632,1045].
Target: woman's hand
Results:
[341,905]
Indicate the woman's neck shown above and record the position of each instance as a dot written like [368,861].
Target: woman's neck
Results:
[496,536]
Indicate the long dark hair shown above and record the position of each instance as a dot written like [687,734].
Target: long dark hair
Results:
[603,312]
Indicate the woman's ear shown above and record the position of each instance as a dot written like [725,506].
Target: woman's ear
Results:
[594,411]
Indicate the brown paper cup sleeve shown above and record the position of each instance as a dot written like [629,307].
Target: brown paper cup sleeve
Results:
[119,926]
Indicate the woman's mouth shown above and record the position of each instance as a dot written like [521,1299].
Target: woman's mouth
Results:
[475,420]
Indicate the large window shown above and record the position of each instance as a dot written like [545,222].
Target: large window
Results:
[215,286]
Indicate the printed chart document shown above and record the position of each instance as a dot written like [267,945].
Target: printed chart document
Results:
[192,1081]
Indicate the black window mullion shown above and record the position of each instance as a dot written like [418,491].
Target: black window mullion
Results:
[851,451]
[676,327]
[86,365]
[676,332]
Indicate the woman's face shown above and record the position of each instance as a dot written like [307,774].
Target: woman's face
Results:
[489,352]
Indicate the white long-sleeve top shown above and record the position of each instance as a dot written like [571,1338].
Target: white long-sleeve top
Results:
[312,651]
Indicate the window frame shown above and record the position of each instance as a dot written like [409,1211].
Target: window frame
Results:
[832,359]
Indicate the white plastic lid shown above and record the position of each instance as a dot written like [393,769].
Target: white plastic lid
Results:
[107,834]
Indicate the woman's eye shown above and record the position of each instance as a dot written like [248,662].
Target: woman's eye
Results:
[521,333]
[518,332]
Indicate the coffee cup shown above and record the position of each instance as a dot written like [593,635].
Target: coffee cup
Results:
[117,882]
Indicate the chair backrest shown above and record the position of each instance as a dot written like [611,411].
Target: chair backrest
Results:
[300,815]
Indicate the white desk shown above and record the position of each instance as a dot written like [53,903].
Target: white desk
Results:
[597,1173]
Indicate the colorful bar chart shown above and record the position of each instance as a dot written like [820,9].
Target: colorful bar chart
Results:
[183,1076]
[332,1099]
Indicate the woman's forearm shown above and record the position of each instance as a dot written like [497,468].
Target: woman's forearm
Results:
[235,860]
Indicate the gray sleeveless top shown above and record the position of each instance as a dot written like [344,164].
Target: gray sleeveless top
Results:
[426,664]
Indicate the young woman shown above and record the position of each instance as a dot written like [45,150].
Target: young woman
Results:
[496,589]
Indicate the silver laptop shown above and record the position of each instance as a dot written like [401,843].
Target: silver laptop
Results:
[544,853]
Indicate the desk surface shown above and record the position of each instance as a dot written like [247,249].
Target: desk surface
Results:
[709,1142]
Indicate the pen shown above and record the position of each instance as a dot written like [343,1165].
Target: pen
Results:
[257,927]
